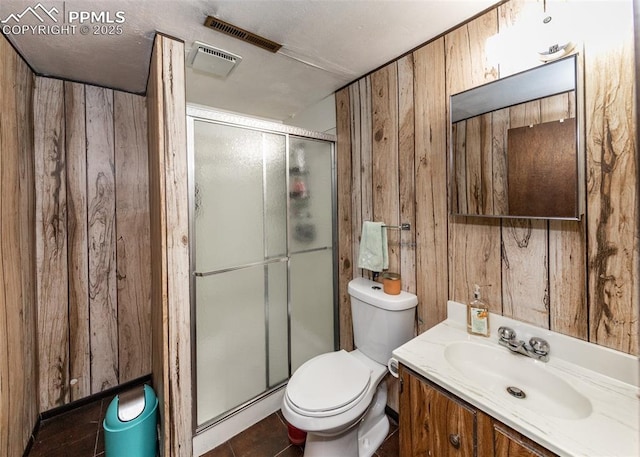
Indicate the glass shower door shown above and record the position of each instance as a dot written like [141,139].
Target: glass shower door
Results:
[240,258]
[311,249]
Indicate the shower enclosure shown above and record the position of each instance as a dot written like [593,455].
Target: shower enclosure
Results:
[262,256]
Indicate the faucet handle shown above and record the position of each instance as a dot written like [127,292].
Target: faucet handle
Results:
[506,333]
[539,345]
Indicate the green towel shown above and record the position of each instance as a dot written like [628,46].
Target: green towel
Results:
[374,254]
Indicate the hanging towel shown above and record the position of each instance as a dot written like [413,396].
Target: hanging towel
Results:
[374,254]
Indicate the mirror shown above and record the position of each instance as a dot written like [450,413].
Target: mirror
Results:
[515,146]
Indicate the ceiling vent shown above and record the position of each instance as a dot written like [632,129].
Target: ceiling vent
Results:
[241,34]
[208,59]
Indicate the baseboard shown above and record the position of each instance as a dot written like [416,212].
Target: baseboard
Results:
[94,397]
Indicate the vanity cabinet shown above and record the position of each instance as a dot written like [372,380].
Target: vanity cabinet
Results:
[435,423]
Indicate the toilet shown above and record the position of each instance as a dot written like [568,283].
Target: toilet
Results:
[339,398]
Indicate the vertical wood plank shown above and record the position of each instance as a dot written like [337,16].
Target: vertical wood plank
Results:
[77,238]
[612,206]
[366,151]
[176,192]
[18,352]
[431,184]
[474,244]
[157,213]
[500,183]
[51,236]
[384,106]
[524,269]
[169,246]
[132,227]
[345,227]
[27,411]
[102,239]
[406,172]
[567,250]
[363,187]
[357,133]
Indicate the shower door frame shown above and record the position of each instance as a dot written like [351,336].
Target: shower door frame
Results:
[206,114]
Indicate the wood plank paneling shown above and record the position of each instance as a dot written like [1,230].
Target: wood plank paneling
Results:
[132,227]
[18,325]
[406,172]
[474,244]
[170,245]
[157,215]
[384,106]
[51,237]
[612,166]
[78,128]
[357,133]
[77,241]
[430,181]
[101,201]
[345,224]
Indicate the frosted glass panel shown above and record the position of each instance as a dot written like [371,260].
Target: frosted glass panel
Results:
[275,195]
[310,194]
[277,318]
[233,167]
[311,276]
[231,335]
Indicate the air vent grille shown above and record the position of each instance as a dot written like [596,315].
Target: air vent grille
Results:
[216,53]
[241,34]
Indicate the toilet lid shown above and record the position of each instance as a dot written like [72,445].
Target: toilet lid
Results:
[328,381]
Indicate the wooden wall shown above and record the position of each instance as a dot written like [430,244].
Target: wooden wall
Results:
[577,278]
[92,231]
[168,187]
[18,352]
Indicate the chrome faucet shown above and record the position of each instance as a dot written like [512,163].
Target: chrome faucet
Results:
[537,348]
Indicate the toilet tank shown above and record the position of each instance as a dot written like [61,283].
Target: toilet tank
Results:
[381,322]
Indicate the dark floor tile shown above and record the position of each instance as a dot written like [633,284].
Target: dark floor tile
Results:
[292,451]
[264,439]
[224,450]
[77,428]
[83,447]
[390,446]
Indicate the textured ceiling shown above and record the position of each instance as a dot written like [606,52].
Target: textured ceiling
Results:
[326,44]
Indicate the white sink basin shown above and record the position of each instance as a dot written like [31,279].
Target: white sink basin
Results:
[497,369]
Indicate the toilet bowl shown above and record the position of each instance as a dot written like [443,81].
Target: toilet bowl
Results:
[338,397]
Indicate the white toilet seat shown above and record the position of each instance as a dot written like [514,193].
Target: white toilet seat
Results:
[328,384]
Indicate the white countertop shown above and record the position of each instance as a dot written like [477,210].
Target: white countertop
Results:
[608,379]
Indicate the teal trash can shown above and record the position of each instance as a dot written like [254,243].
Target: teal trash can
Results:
[130,425]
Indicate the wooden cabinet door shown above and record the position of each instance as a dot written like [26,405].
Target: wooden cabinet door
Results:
[509,443]
[433,423]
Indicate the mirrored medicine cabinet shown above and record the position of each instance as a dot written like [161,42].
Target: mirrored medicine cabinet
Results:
[516,146]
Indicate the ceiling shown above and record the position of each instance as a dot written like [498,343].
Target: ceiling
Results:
[326,43]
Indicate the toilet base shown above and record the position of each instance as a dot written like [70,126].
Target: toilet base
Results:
[360,440]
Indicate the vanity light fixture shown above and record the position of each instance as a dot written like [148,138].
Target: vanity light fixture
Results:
[557,45]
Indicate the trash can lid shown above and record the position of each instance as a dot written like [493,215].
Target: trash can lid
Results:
[130,407]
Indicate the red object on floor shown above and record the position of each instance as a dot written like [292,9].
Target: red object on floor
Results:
[296,436]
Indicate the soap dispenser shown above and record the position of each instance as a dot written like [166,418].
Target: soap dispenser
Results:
[477,315]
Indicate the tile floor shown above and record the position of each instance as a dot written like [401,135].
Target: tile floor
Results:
[268,438]
[75,433]
[79,433]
